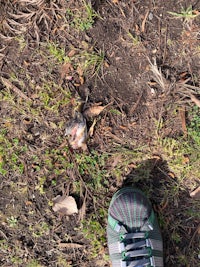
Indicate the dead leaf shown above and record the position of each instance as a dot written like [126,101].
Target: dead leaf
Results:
[196,12]
[28,203]
[195,100]
[122,127]
[171,174]
[79,71]
[132,165]
[183,75]
[185,160]
[77,84]
[196,193]
[66,70]
[66,205]
[93,111]
[71,53]
[26,63]
[157,157]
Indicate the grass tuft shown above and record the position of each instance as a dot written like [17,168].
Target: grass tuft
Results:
[82,19]
[186,14]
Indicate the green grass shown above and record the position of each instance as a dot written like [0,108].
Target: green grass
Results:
[53,96]
[33,263]
[57,52]
[194,127]
[88,59]
[12,221]
[182,153]
[82,19]
[135,39]
[92,165]
[10,154]
[95,232]
[186,14]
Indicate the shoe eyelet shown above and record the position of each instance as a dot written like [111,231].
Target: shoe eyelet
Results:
[123,255]
[121,237]
[149,251]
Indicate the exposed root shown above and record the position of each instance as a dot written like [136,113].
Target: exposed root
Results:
[31,17]
[182,88]
[165,85]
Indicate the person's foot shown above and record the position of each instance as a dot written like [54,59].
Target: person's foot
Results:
[133,234]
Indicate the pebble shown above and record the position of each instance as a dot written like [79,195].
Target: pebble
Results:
[150,16]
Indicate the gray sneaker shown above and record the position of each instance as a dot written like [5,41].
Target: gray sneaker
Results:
[133,234]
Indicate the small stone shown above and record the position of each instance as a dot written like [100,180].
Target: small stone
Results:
[150,16]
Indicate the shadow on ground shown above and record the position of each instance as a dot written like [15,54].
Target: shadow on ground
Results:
[154,177]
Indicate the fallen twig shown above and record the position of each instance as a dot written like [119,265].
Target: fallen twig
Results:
[11,86]
[134,107]
[69,245]
[91,130]
[82,210]
[195,232]
[183,120]
[144,21]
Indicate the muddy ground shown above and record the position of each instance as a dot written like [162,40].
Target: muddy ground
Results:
[38,93]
